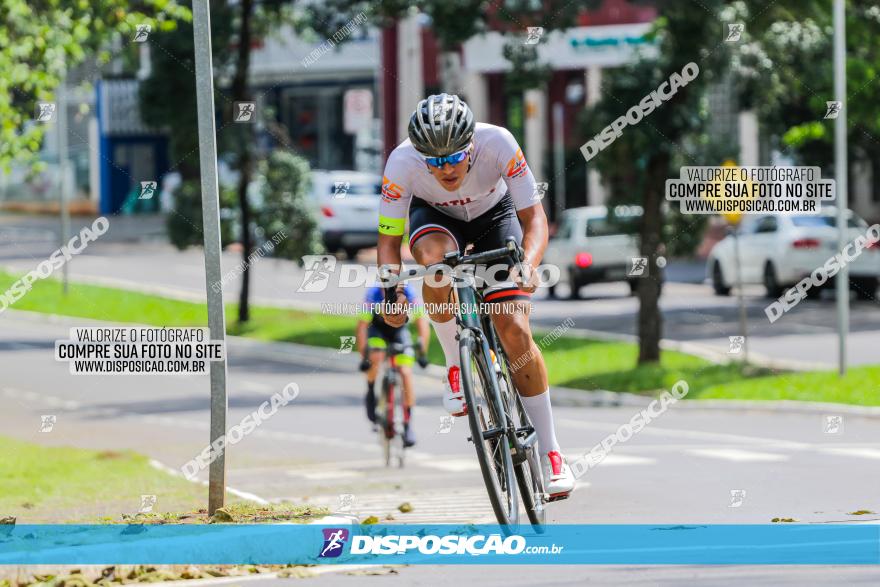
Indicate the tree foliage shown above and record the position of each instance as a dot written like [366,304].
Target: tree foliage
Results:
[785,72]
[40,40]
[284,190]
[636,165]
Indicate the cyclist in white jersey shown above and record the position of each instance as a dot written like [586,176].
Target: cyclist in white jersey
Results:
[463,183]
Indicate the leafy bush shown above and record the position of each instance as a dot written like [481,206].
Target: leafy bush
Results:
[184,223]
[284,191]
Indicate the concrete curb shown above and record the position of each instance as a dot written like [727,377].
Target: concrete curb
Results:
[666,344]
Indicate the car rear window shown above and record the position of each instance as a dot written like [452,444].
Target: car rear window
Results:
[808,221]
[356,189]
[612,224]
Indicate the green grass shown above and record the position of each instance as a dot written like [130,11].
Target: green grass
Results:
[105,303]
[54,484]
[590,364]
[572,362]
[62,484]
[860,385]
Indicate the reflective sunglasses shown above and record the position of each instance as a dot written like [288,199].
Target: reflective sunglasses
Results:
[453,159]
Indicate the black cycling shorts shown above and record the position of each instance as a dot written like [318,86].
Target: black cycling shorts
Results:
[488,231]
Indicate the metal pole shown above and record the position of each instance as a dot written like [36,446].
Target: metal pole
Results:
[840,171]
[211,220]
[739,296]
[558,161]
[64,183]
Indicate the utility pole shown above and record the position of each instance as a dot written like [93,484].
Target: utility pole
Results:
[840,171]
[64,173]
[211,220]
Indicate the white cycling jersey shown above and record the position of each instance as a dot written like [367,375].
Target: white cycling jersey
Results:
[497,167]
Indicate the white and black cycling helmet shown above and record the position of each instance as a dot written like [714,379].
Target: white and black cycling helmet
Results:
[441,125]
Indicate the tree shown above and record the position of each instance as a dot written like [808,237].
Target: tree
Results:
[784,70]
[637,163]
[234,30]
[40,40]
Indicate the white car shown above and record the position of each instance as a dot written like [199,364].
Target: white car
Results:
[779,250]
[348,209]
[591,246]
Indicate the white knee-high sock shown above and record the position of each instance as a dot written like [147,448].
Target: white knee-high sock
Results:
[446,332]
[541,415]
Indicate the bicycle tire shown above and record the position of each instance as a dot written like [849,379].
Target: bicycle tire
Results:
[483,413]
[531,481]
[382,417]
[528,470]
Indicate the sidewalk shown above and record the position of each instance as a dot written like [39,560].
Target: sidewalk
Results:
[123,229]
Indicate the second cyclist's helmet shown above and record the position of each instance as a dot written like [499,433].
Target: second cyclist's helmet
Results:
[442,124]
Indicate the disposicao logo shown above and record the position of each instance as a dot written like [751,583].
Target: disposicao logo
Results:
[334,540]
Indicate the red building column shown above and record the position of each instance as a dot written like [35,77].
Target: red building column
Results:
[389,89]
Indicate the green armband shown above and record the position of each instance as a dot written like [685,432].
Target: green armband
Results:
[391,226]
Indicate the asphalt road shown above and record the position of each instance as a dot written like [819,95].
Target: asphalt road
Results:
[807,335]
[681,469]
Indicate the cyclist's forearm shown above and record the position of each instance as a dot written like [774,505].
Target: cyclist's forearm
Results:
[361,337]
[388,251]
[535,233]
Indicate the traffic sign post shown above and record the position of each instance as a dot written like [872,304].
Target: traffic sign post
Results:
[211,226]
[840,169]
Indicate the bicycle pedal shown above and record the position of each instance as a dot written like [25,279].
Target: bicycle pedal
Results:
[553,498]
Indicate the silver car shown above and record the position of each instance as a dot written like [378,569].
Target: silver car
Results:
[595,244]
[348,209]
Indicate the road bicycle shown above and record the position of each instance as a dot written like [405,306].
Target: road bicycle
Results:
[502,434]
[389,408]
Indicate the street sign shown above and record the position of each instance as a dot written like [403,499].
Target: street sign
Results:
[357,110]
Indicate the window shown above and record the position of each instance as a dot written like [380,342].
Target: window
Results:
[807,221]
[356,189]
[612,225]
[564,232]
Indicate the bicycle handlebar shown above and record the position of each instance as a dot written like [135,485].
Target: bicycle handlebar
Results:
[511,251]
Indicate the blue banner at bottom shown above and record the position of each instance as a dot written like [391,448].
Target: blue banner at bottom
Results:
[788,544]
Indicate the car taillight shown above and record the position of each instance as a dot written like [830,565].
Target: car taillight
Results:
[583,260]
[806,243]
[327,211]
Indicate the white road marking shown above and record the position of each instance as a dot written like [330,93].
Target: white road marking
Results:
[325,475]
[255,386]
[462,505]
[652,430]
[615,460]
[174,472]
[737,455]
[451,465]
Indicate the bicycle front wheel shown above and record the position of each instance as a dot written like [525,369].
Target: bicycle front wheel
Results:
[488,424]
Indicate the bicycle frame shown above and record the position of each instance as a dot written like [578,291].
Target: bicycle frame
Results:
[480,326]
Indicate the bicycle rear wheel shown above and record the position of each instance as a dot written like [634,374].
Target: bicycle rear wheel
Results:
[488,424]
[385,419]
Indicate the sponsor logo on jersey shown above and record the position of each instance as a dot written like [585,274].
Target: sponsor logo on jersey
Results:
[461,202]
[391,192]
[517,166]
